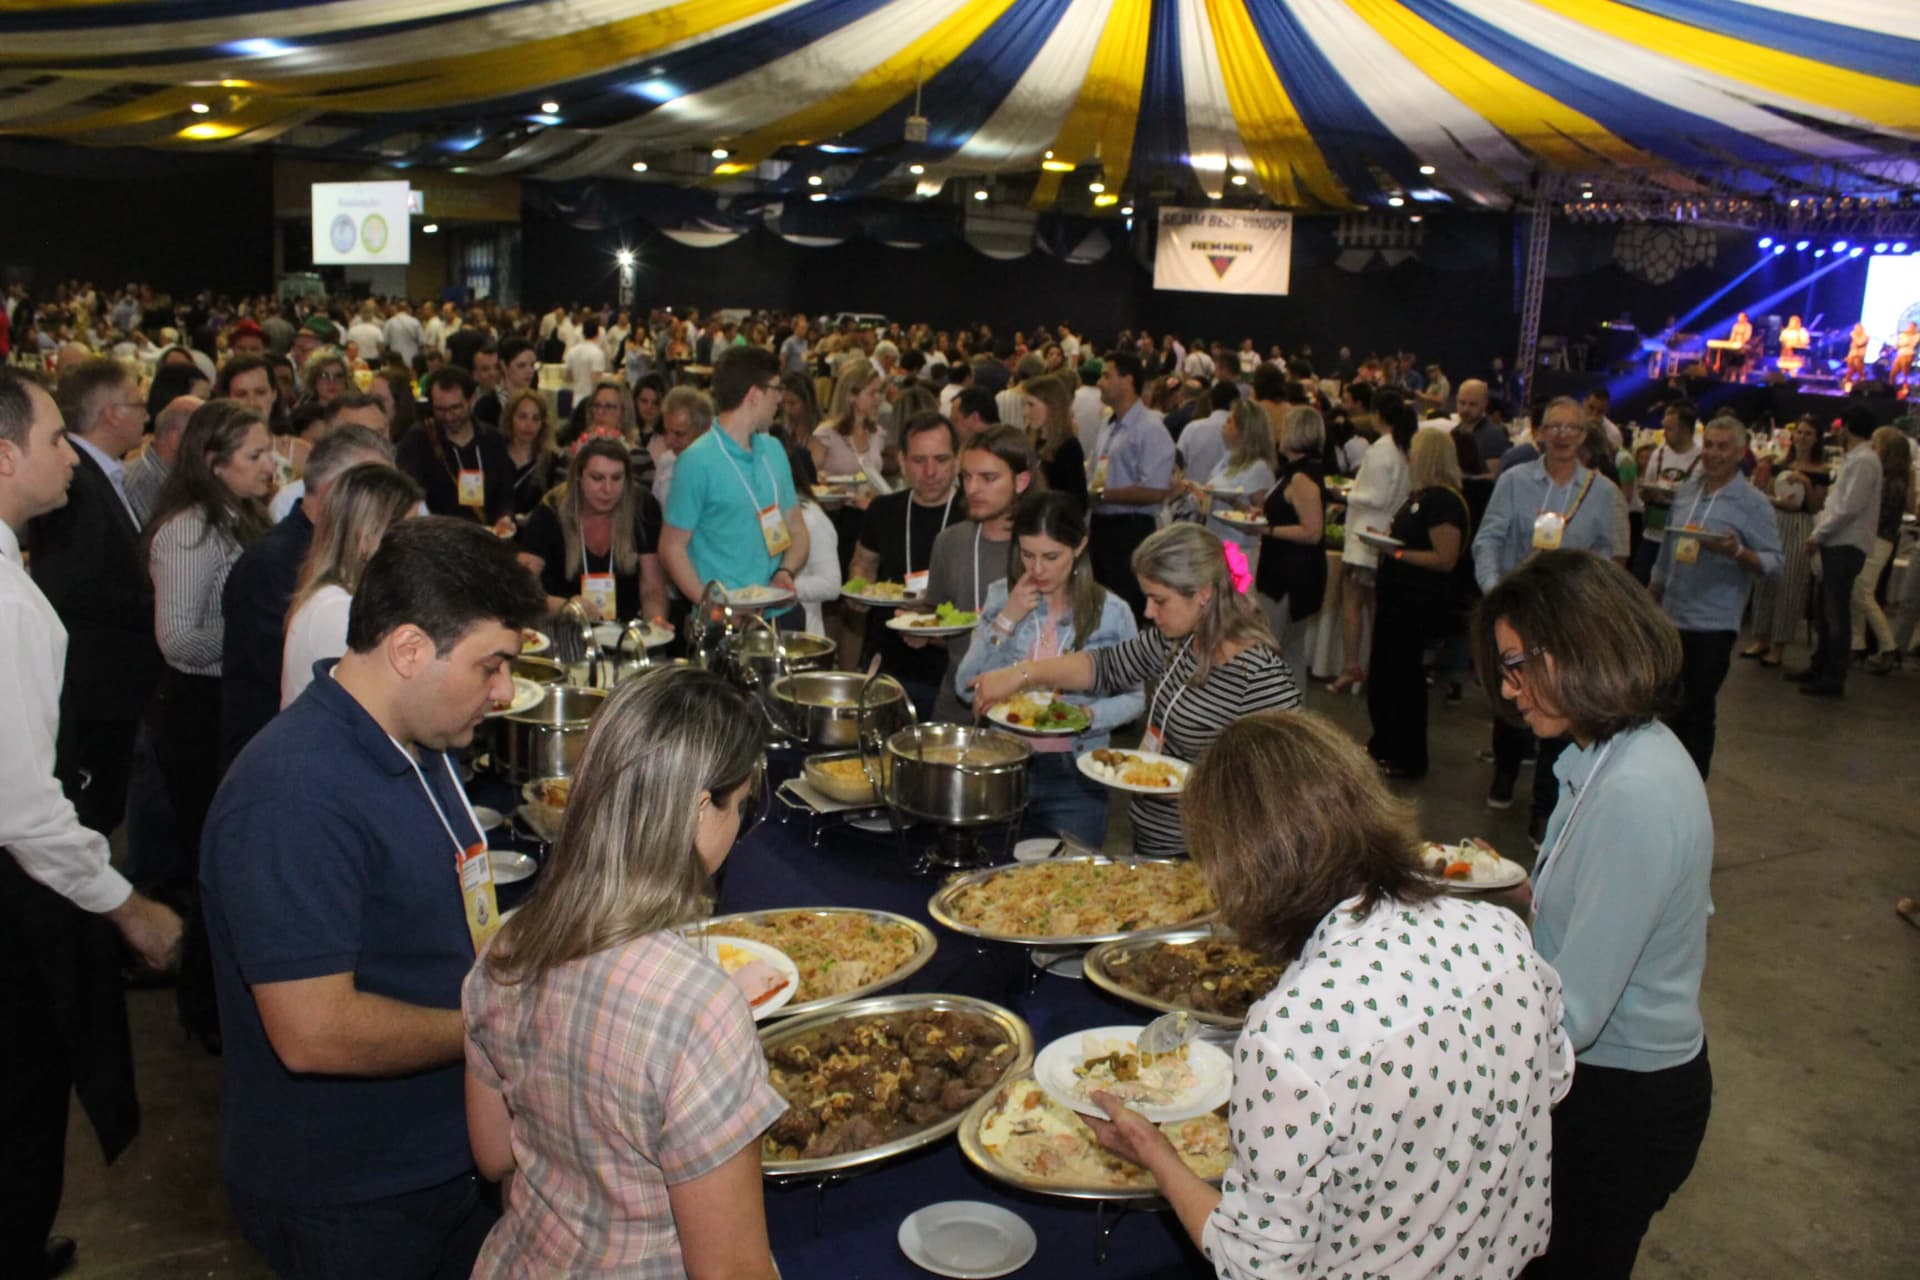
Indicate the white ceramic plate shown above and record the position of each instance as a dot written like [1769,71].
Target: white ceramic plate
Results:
[489,818]
[904,620]
[1242,519]
[607,635]
[879,602]
[711,943]
[1511,874]
[757,597]
[1372,539]
[526,695]
[1095,771]
[997,714]
[968,1239]
[532,641]
[1038,849]
[511,866]
[858,477]
[1213,1069]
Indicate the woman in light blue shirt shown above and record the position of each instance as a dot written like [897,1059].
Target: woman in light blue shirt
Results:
[1054,606]
[1619,894]
[1241,478]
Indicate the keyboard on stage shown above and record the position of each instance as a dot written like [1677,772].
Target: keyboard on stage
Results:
[1725,344]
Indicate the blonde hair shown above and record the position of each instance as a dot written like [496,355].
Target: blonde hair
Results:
[1433,461]
[1188,559]
[625,550]
[853,378]
[1256,436]
[626,864]
[1303,430]
[364,502]
[1894,449]
[1279,858]
[543,443]
[629,425]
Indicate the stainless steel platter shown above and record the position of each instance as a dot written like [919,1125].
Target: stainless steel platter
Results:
[1099,972]
[778,1033]
[924,946]
[941,906]
[975,1150]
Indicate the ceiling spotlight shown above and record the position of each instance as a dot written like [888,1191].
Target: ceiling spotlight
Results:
[1766,242]
[1056,166]
[1819,253]
[719,153]
[1096,187]
[814,179]
[429,229]
[1239,179]
[817,196]
[624,257]
[916,169]
[1127,210]
[1394,202]
[639,166]
[1839,246]
[1049,154]
[1881,247]
[1586,195]
[1856,251]
[1800,246]
[199,108]
[1428,170]
[1779,249]
[550,107]
[1105,201]
[1214,195]
[1899,246]
[980,193]
[1414,218]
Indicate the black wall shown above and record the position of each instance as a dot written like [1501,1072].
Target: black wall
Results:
[185,222]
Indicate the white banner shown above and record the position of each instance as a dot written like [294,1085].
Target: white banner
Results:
[1223,251]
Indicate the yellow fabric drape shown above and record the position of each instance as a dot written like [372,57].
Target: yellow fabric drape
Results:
[1104,113]
[1285,157]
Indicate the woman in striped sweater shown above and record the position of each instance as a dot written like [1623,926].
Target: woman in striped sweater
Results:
[1208,659]
[212,507]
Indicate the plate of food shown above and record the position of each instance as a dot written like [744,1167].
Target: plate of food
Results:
[945,620]
[1470,866]
[1373,538]
[943,1052]
[1190,1081]
[1022,1137]
[845,479]
[1040,713]
[862,591]
[1074,901]
[527,694]
[532,641]
[1339,484]
[757,597]
[838,953]
[1146,773]
[761,971]
[1245,519]
[1205,972]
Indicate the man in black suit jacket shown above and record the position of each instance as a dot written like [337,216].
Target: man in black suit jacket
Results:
[87,559]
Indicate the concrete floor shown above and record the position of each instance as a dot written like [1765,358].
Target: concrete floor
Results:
[1812,1160]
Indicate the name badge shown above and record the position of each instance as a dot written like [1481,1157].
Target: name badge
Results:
[473,489]
[1686,550]
[774,530]
[598,590]
[1549,527]
[476,892]
[1099,482]
[1153,740]
[917,581]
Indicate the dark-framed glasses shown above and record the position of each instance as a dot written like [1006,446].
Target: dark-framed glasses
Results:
[1513,665]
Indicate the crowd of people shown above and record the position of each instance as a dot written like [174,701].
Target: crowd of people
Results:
[263,567]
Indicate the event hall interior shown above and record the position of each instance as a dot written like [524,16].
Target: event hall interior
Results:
[901,541]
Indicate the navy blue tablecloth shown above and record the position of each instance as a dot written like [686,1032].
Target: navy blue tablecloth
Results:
[849,1231]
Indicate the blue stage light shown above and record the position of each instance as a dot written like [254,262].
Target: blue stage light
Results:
[1779,249]
[1800,246]
[1881,247]
[1899,246]
[1766,241]
[1819,253]
[1839,246]
[1856,251]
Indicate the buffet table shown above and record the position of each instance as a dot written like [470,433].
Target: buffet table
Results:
[848,1230]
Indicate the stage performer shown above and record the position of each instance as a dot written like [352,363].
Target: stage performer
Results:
[1903,348]
[1793,341]
[1856,355]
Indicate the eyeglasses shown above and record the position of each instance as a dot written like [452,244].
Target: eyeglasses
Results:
[1513,665]
[601,406]
[1571,428]
[330,375]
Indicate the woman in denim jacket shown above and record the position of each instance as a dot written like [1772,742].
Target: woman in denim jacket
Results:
[1052,607]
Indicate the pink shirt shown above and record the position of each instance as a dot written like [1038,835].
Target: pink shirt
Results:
[625,1073]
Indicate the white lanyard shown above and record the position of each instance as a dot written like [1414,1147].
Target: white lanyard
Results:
[1178,693]
[977,531]
[438,812]
[1546,864]
[1546,503]
[1696,506]
[946,514]
[752,501]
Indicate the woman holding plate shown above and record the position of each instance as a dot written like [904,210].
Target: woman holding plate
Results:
[1209,655]
[597,539]
[1391,1094]
[1055,607]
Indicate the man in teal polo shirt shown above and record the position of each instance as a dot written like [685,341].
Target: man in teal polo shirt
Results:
[732,517]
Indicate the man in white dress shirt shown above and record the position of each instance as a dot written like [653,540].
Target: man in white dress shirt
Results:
[60,898]
[586,362]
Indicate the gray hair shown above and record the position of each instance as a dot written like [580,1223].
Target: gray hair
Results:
[1727,422]
[691,401]
[1256,435]
[340,448]
[1303,430]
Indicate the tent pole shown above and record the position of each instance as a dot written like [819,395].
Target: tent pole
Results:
[1538,213]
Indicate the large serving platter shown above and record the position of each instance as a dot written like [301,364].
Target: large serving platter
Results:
[1100,970]
[924,946]
[1019,1035]
[942,909]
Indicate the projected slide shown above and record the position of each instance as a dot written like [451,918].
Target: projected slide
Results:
[360,223]
[1893,297]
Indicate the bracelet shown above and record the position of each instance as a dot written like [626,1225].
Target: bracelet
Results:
[1025,677]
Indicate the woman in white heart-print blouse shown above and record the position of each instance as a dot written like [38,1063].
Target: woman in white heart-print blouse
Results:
[1391,1101]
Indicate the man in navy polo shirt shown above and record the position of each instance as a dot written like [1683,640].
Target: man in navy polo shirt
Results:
[340,935]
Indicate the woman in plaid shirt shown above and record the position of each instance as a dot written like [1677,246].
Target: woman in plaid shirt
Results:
[614,1079]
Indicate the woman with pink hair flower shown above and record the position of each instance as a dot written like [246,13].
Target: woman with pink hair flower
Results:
[1208,656]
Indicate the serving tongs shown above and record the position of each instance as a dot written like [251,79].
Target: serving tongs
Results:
[575,644]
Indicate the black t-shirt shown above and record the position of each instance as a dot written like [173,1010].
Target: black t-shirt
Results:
[542,536]
[1066,470]
[531,482]
[1414,524]
[885,533]
[437,470]
[1295,571]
